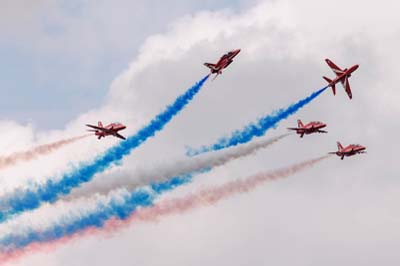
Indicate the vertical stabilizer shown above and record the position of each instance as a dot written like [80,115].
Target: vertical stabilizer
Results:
[299,123]
[339,146]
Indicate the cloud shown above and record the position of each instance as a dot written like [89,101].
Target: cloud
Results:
[70,51]
[334,214]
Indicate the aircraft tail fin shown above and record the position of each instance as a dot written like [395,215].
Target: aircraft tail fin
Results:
[339,145]
[330,84]
[299,123]
[100,124]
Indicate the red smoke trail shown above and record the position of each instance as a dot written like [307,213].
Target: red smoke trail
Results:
[210,195]
[36,152]
[166,207]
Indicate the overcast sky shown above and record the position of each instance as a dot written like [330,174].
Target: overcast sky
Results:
[67,63]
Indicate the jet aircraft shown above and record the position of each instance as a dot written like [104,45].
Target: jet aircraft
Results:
[222,63]
[342,76]
[110,130]
[312,127]
[350,150]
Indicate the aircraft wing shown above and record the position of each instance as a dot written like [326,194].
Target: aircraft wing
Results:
[228,63]
[322,131]
[346,85]
[294,128]
[337,70]
[120,136]
[96,127]
[103,129]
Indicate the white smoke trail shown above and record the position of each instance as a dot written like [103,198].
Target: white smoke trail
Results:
[174,206]
[188,165]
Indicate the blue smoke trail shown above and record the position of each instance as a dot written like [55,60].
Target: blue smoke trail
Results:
[30,199]
[116,208]
[255,129]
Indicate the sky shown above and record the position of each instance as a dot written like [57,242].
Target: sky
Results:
[68,52]
[69,63]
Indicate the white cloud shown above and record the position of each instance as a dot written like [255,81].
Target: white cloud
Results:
[333,214]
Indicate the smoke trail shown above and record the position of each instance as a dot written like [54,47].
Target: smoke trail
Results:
[256,129]
[122,208]
[118,207]
[212,195]
[32,198]
[159,174]
[14,246]
[35,152]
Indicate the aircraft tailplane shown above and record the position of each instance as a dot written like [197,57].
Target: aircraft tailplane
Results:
[211,66]
[215,76]
[332,85]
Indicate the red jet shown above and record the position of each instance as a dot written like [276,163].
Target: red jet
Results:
[350,150]
[342,76]
[222,63]
[312,127]
[109,130]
